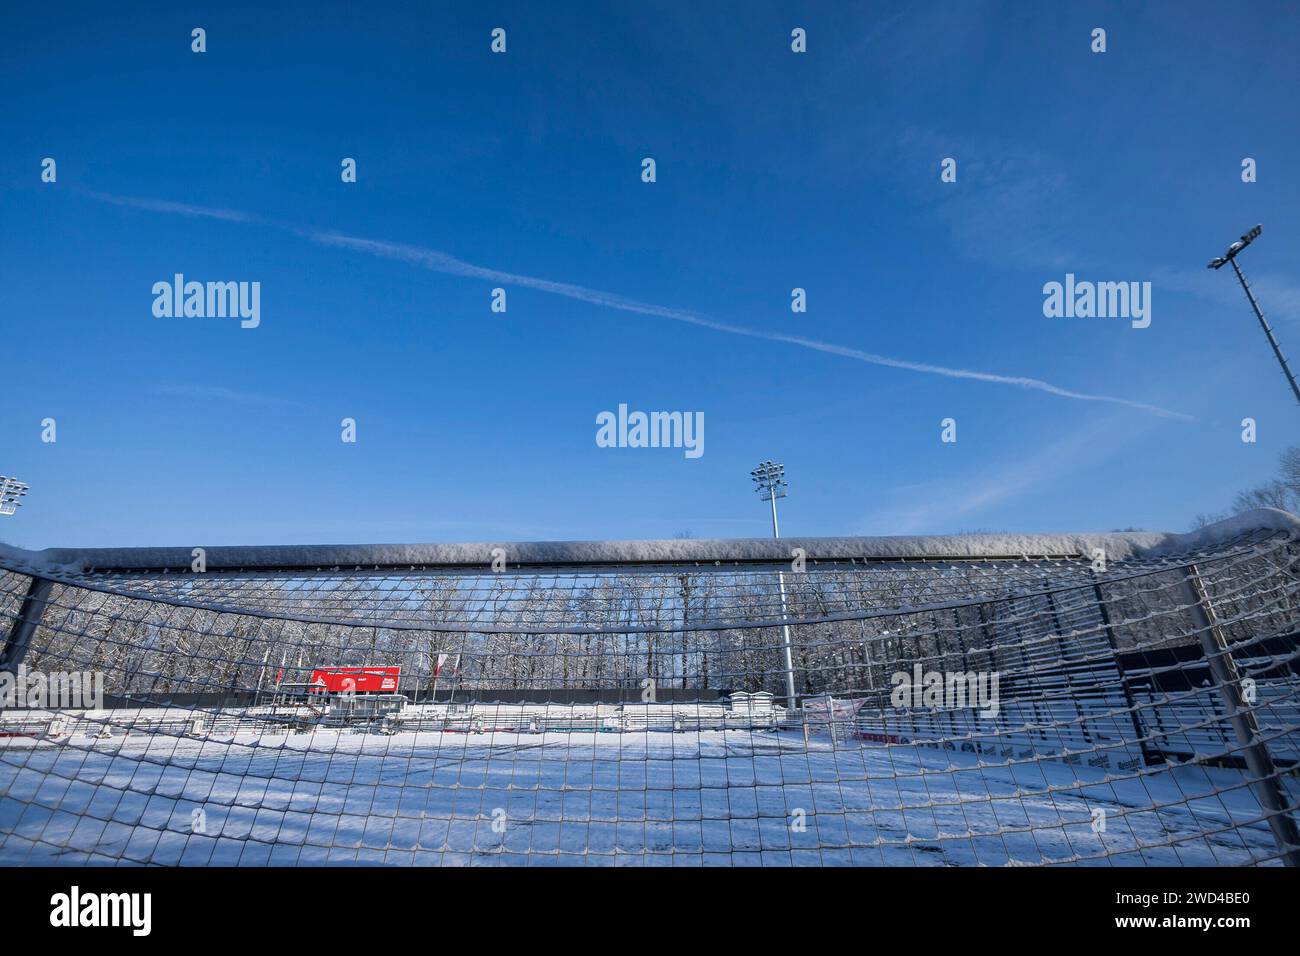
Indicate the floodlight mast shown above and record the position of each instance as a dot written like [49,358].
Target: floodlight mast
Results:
[1231,257]
[769,482]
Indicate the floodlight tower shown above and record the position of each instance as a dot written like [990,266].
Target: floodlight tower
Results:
[769,482]
[1231,256]
[11,489]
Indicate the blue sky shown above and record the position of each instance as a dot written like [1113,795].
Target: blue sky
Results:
[774,170]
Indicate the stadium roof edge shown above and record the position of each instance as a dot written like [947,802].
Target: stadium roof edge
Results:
[1117,546]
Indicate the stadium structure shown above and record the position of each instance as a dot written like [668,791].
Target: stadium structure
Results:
[1093,699]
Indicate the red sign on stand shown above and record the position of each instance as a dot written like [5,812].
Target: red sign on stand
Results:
[356,680]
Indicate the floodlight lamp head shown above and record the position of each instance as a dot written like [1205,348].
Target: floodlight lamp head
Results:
[11,489]
[1236,247]
[769,480]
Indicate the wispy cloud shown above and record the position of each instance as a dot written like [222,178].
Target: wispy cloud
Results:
[999,219]
[1279,296]
[1015,210]
[218,393]
[934,507]
[442,262]
[1014,205]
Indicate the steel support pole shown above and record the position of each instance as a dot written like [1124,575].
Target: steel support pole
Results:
[1268,789]
[791,702]
[19,639]
[1066,672]
[1263,323]
[1148,758]
[16,644]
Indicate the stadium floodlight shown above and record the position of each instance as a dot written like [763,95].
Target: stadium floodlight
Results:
[769,482]
[769,476]
[1236,247]
[11,489]
[1231,257]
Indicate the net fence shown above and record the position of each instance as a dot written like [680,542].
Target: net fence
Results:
[1116,700]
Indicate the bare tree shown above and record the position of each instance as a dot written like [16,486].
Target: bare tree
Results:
[1282,492]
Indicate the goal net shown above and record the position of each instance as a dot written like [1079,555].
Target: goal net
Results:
[1094,699]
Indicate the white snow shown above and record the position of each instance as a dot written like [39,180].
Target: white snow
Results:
[1117,546]
[661,798]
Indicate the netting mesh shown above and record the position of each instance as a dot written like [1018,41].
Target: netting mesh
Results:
[946,711]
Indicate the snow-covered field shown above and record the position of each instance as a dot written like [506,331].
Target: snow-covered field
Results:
[631,798]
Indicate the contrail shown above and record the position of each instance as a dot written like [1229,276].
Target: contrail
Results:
[177,208]
[442,262]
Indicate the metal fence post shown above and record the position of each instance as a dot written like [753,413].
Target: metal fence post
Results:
[1148,757]
[15,646]
[1067,671]
[1268,790]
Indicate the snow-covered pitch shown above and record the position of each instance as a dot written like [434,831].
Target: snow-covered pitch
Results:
[656,798]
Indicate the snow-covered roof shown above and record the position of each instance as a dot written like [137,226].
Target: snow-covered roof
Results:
[1116,545]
